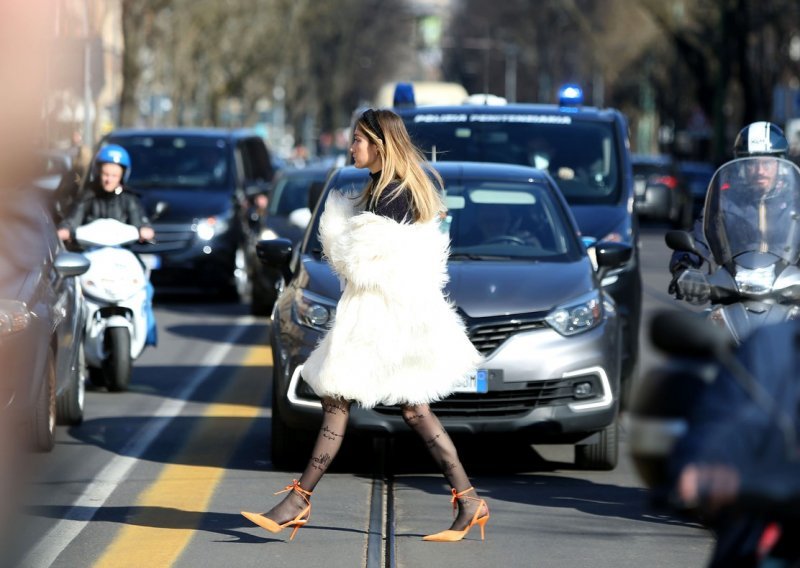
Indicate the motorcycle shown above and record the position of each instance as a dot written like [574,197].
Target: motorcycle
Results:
[729,412]
[118,297]
[753,238]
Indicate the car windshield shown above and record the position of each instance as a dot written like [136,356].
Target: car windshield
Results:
[290,192]
[580,155]
[498,220]
[191,162]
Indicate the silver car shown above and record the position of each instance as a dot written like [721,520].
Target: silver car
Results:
[528,289]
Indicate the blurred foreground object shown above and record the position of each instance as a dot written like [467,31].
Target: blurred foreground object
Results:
[714,435]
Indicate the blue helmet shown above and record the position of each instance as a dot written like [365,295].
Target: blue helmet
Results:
[113,154]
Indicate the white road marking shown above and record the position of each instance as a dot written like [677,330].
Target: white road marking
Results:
[111,476]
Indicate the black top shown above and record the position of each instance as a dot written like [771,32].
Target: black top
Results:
[398,208]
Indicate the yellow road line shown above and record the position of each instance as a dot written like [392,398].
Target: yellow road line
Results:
[171,508]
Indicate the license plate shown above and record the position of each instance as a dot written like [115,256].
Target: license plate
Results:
[477,383]
[151,261]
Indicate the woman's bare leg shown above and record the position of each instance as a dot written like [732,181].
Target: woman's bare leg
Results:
[335,415]
[425,423]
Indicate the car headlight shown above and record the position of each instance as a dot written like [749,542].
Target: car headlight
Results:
[314,311]
[755,280]
[577,316]
[207,228]
[14,317]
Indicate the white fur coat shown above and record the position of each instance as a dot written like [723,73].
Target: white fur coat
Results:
[396,339]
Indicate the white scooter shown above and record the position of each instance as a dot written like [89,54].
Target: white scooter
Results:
[115,288]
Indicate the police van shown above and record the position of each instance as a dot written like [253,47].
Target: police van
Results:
[585,149]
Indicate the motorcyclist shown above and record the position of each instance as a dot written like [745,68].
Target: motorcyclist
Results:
[107,198]
[756,139]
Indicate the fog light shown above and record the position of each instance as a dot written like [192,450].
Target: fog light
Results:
[582,390]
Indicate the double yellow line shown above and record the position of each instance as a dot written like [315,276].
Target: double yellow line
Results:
[169,511]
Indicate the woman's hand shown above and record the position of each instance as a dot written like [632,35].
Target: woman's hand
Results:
[63,234]
[146,233]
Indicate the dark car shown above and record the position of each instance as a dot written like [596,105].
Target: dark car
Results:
[196,185]
[585,149]
[697,176]
[661,192]
[525,285]
[41,321]
[292,195]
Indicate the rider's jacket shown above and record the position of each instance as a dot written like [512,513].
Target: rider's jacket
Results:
[99,204]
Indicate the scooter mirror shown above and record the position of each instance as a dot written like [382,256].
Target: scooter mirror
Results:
[688,334]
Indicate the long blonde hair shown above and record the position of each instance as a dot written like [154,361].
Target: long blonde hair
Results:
[402,162]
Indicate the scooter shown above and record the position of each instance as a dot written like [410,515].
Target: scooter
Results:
[116,288]
[753,237]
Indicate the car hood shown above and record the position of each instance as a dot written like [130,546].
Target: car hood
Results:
[598,220]
[185,205]
[489,288]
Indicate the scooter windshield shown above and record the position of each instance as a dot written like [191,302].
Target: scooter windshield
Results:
[753,205]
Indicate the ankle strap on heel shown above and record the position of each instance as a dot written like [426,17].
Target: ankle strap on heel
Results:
[295,486]
[458,495]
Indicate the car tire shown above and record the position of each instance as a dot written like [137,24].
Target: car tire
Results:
[70,405]
[601,455]
[117,365]
[43,422]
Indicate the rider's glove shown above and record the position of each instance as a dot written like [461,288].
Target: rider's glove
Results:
[691,285]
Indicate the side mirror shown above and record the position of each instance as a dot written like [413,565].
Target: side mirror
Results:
[69,264]
[612,255]
[681,241]
[688,334]
[276,253]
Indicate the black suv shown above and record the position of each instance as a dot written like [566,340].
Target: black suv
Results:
[586,151]
[197,186]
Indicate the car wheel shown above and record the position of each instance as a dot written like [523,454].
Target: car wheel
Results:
[43,426]
[117,364]
[603,454]
[70,404]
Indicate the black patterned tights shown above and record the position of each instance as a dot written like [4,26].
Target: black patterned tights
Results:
[334,424]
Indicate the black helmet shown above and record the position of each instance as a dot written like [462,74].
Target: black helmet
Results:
[760,139]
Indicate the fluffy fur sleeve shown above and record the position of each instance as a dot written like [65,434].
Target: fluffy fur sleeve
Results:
[333,226]
[397,258]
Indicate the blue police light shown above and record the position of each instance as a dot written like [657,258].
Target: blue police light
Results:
[570,95]
[404,95]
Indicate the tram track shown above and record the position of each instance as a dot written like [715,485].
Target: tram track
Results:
[381,548]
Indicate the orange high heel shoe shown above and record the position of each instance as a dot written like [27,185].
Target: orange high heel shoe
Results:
[301,519]
[477,519]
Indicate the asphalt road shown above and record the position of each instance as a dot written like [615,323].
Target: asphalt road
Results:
[157,476]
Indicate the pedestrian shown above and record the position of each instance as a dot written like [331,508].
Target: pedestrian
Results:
[396,339]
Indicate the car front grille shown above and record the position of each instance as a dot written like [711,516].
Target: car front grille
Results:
[500,402]
[169,238]
[488,337]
